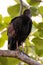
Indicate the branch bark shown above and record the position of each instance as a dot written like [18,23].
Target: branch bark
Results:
[21,7]
[4,30]
[19,55]
[25,4]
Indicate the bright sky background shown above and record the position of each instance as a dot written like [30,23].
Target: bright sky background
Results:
[3,6]
[3,11]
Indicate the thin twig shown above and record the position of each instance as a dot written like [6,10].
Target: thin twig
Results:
[25,4]
[4,30]
[21,7]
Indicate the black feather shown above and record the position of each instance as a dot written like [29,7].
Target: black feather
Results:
[22,26]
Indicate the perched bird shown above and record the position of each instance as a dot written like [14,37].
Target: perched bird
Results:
[18,29]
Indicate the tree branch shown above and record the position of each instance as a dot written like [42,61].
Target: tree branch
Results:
[25,4]
[21,7]
[4,30]
[19,55]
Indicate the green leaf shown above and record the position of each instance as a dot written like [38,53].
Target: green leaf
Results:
[7,19]
[25,64]
[34,11]
[38,43]
[17,1]
[35,24]
[40,25]
[0,18]
[4,35]
[3,61]
[28,1]
[34,2]
[1,26]
[13,61]
[14,10]
[40,10]
[1,42]
[39,52]
[3,39]
[36,34]
[27,43]
[40,32]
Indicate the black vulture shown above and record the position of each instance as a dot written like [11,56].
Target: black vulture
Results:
[18,29]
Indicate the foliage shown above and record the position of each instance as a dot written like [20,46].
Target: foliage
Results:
[3,61]
[14,9]
[34,46]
